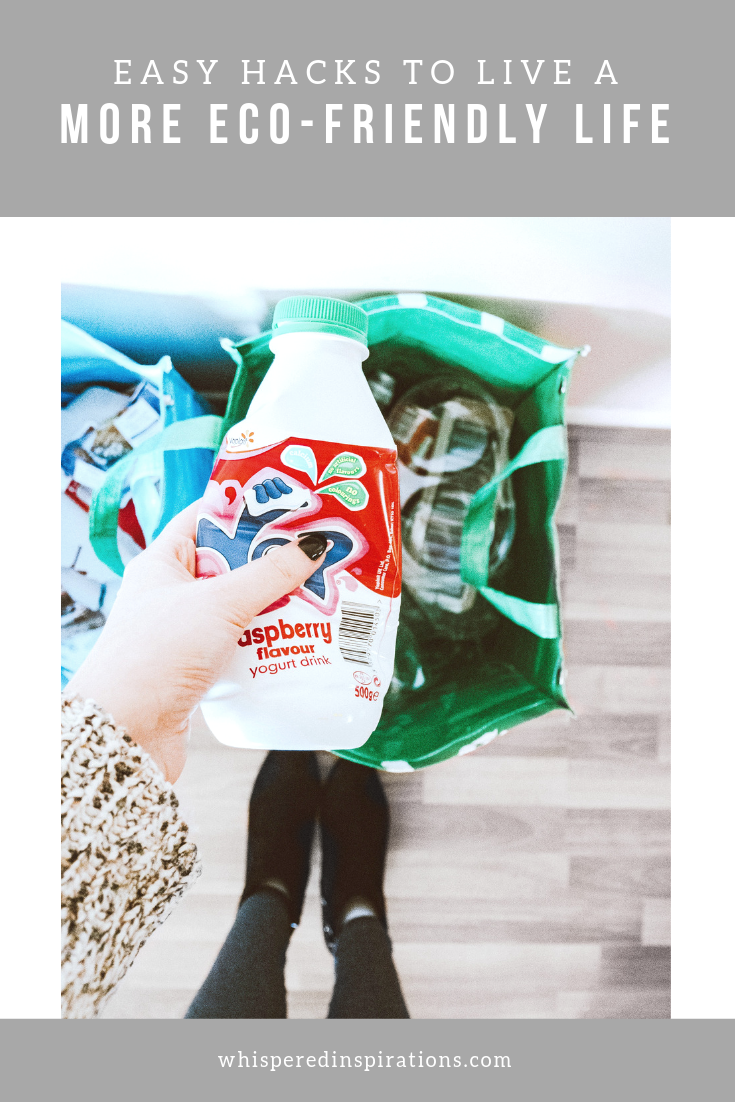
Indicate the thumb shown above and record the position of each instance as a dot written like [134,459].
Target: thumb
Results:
[249,589]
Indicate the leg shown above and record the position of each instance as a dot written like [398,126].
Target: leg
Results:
[246,980]
[366,983]
[355,825]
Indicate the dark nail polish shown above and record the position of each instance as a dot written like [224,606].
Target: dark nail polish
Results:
[313,544]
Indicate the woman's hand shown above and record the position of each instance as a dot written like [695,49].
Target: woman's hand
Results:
[169,637]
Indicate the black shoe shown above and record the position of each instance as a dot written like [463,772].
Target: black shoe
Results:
[354,829]
[284,805]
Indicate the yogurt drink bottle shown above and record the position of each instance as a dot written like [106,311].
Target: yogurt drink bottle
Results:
[313,454]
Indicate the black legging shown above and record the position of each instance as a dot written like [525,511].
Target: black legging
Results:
[247,981]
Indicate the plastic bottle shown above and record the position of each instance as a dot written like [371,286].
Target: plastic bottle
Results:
[452,438]
[382,387]
[312,454]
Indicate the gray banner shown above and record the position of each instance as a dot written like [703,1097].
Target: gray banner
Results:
[581,164]
[515,1060]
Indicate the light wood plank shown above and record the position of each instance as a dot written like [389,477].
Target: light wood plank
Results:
[478,830]
[566,916]
[610,831]
[656,926]
[618,784]
[627,875]
[627,549]
[167,964]
[619,690]
[549,782]
[616,460]
[568,510]
[609,434]
[158,1002]
[624,501]
[499,968]
[664,738]
[635,966]
[414,873]
[617,643]
[499,782]
[604,736]
[308,1004]
[615,1003]
[615,597]
[567,542]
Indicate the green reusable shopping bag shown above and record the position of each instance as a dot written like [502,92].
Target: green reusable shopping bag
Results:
[516,673]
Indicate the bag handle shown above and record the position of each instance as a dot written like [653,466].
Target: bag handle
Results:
[543,620]
[196,432]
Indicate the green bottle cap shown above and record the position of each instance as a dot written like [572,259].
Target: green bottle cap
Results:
[310,314]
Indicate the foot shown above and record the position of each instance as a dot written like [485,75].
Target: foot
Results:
[283,809]
[354,829]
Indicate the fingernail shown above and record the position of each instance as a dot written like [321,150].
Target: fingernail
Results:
[313,544]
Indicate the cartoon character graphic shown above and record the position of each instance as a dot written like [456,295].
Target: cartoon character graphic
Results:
[240,523]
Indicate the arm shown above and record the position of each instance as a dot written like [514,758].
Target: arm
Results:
[126,857]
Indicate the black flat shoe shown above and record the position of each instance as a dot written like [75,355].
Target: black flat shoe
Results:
[284,805]
[354,829]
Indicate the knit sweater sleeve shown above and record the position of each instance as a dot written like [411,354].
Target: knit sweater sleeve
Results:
[125,856]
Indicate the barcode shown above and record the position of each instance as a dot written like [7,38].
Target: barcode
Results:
[357,630]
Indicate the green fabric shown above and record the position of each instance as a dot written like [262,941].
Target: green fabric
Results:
[542,620]
[477,536]
[519,674]
[197,432]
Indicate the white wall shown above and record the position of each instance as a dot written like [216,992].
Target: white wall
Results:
[598,281]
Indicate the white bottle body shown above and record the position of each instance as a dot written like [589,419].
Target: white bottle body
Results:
[312,454]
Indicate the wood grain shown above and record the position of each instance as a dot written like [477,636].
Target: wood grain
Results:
[616,643]
[619,690]
[656,926]
[625,501]
[612,459]
[603,548]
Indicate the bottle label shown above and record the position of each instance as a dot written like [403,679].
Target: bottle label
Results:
[339,627]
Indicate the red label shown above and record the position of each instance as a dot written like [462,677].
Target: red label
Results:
[260,499]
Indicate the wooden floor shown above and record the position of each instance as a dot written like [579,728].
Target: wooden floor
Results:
[526,880]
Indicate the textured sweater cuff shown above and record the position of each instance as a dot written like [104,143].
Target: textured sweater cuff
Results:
[126,857]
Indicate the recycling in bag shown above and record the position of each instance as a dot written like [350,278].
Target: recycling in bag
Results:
[119,486]
[475,407]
